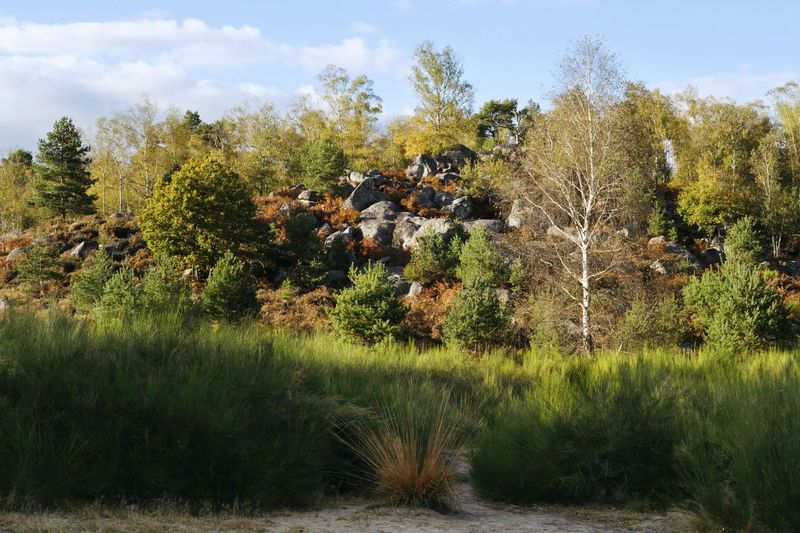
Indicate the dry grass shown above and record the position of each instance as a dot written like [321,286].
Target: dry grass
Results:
[305,312]
[427,311]
[411,457]
[330,210]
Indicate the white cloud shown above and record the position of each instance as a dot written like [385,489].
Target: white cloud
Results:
[363,27]
[87,69]
[743,85]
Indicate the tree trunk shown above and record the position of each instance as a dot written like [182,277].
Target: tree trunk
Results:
[588,344]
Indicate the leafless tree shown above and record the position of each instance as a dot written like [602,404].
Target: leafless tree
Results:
[573,168]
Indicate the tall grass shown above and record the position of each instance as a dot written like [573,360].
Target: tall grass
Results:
[154,408]
[716,434]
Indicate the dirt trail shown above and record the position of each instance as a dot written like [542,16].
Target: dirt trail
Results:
[351,516]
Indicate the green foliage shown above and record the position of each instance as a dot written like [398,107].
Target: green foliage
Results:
[322,162]
[17,174]
[736,309]
[436,256]
[300,251]
[121,295]
[476,320]
[745,242]
[659,222]
[518,276]
[230,290]
[588,431]
[89,282]
[480,264]
[369,311]
[483,178]
[199,214]
[39,265]
[63,177]
[164,286]
[648,325]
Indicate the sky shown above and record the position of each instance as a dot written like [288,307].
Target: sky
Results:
[87,59]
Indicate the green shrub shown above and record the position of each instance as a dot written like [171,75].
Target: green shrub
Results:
[89,282]
[480,263]
[436,256]
[735,309]
[122,295]
[476,320]
[230,290]
[164,286]
[745,242]
[322,162]
[648,325]
[369,311]
[300,251]
[39,265]
[659,222]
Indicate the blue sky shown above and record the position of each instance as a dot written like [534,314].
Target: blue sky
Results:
[87,59]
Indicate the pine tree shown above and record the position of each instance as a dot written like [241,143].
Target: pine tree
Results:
[63,177]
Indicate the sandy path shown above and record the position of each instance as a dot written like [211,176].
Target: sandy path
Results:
[472,515]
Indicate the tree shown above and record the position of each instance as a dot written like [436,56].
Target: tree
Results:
[16,177]
[353,109]
[322,162]
[480,263]
[200,213]
[574,165]
[445,98]
[63,178]
[39,265]
[369,311]
[88,283]
[779,205]
[505,121]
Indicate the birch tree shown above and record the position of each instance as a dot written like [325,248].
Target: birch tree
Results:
[573,168]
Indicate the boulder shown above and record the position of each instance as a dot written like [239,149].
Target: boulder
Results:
[384,210]
[657,241]
[325,231]
[659,266]
[460,207]
[415,289]
[516,218]
[404,231]
[353,233]
[355,178]
[379,231]
[308,195]
[456,158]
[443,199]
[335,278]
[426,197]
[3,304]
[436,226]
[448,177]
[17,253]
[489,225]
[364,195]
[422,167]
[84,249]
[337,238]
[711,256]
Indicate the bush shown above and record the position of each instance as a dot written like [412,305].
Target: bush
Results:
[369,311]
[735,309]
[480,263]
[322,162]
[230,290]
[121,295]
[39,265]
[89,282]
[476,320]
[659,222]
[745,242]
[436,256]
[648,325]
[164,286]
